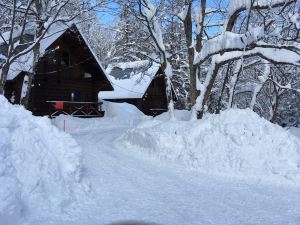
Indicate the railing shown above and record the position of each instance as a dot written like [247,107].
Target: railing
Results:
[77,109]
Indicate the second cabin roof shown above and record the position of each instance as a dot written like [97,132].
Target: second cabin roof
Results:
[130,80]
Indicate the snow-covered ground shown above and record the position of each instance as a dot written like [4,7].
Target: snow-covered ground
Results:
[127,183]
[295,131]
[40,166]
[236,143]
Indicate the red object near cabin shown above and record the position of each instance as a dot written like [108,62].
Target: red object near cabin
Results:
[59,105]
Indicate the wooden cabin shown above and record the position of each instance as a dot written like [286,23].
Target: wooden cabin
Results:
[139,83]
[68,77]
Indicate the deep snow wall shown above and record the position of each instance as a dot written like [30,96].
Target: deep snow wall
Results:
[236,143]
[40,166]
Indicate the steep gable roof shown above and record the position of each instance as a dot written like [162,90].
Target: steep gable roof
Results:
[130,80]
[24,63]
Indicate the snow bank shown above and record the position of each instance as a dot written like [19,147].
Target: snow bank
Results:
[236,143]
[182,115]
[295,131]
[39,165]
[121,110]
[115,115]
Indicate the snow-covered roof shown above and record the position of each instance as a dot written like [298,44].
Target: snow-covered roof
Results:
[129,79]
[24,63]
[5,36]
[17,32]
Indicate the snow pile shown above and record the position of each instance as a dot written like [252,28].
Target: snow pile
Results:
[39,165]
[121,110]
[115,115]
[182,115]
[236,143]
[295,131]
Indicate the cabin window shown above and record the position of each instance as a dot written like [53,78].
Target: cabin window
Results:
[87,75]
[65,59]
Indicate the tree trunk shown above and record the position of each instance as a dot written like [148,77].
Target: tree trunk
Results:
[234,80]
[275,103]
[188,30]
[36,53]
[223,89]
[207,86]
[274,110]
[193,94]
[4,74]
[25,100]
[263,79]
[166,67]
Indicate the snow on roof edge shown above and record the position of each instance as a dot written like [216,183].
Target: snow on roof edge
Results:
[57,34]
[133,91]
[93,53]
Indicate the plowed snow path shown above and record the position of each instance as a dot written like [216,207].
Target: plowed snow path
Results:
[128,186]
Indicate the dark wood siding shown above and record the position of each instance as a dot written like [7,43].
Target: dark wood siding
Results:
[155,99]
[67,67]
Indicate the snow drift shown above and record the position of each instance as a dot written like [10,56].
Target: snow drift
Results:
[116,114]
[121,110]
[39,165]
[236,143]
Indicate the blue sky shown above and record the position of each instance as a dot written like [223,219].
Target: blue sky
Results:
[109,16]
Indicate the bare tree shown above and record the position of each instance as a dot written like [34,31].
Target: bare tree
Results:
[148,13]
[228,45]
[40,15]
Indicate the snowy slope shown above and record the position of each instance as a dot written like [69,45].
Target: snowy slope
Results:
[122,110]
[120,184]
[129,185]
[295,131]
[236,143]
[40,166]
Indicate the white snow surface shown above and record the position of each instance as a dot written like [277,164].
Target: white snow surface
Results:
[133,85]
[236,143]
[122,111]
[236,5]
[40,166]
[295,131]
[128,185]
